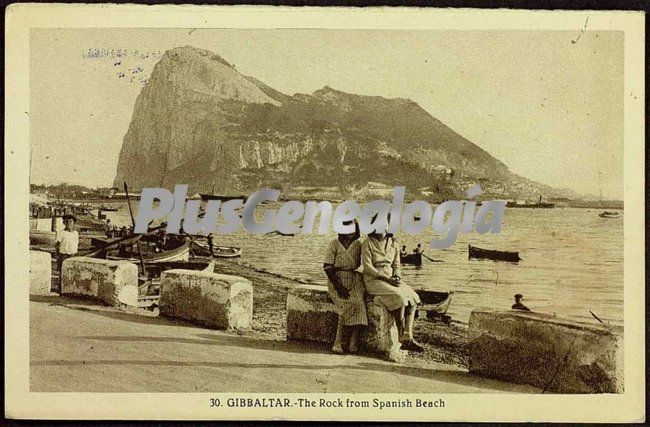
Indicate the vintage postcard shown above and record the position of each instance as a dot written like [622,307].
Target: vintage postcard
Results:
[256,213]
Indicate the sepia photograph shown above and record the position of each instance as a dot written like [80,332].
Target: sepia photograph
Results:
[338,219]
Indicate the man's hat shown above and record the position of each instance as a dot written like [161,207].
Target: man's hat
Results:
[518,296]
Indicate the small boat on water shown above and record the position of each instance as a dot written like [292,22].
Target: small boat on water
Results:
[412,259]
[475,252]
[279,233]
[201,248]
[609,214]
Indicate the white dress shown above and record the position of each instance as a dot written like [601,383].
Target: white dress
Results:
[381,259]
[352,309]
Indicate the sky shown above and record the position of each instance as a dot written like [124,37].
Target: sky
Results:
[550,109]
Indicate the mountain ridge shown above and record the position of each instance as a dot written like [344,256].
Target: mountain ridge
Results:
[199,121]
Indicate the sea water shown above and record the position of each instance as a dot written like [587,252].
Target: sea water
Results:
[572,262]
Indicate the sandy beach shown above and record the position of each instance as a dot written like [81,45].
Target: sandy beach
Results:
[443,343]
[144,352]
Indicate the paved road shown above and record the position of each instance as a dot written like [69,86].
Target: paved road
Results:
[76,346]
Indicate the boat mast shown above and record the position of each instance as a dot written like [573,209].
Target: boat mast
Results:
[31,151]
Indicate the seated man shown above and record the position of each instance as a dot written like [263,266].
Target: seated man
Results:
[403,252]
[518,305]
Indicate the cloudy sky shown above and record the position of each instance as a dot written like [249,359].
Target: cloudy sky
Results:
[550,109]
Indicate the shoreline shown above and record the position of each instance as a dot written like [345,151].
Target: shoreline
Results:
[446,344]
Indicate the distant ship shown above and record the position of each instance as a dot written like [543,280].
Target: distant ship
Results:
[223,198]
[538,205]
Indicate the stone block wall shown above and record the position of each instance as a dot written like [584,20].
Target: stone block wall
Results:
[218,301]
[111,282]
[554,354]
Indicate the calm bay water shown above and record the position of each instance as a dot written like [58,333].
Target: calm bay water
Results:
[572,262]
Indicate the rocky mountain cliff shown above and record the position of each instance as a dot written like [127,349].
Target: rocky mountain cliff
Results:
[200,122]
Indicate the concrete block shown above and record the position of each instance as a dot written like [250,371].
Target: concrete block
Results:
[40,273]
[101,279]
[214,300]
[381,336]
[311,314]
[554,354]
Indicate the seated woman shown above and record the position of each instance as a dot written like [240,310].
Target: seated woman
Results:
[382,278]
[345,285]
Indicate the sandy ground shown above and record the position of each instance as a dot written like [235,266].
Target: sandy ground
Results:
[76,345]
[443,343]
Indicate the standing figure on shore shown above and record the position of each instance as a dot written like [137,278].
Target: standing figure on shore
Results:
[345,285]
[382,275]
[67,243]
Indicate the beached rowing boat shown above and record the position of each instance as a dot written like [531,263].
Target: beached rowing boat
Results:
[176,250]
[201,248]
[475,252]
[434,303]
[179,253]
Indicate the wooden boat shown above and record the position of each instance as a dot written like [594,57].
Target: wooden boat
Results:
[175,250]
[435,303]
[413,259]
[279,233]
[608,214]
[201,248]
[179,253]
[87,223]
[475,252]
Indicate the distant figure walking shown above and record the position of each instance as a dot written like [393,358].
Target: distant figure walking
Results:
[518,305]
[67,243]
[345,286]
[383,278]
